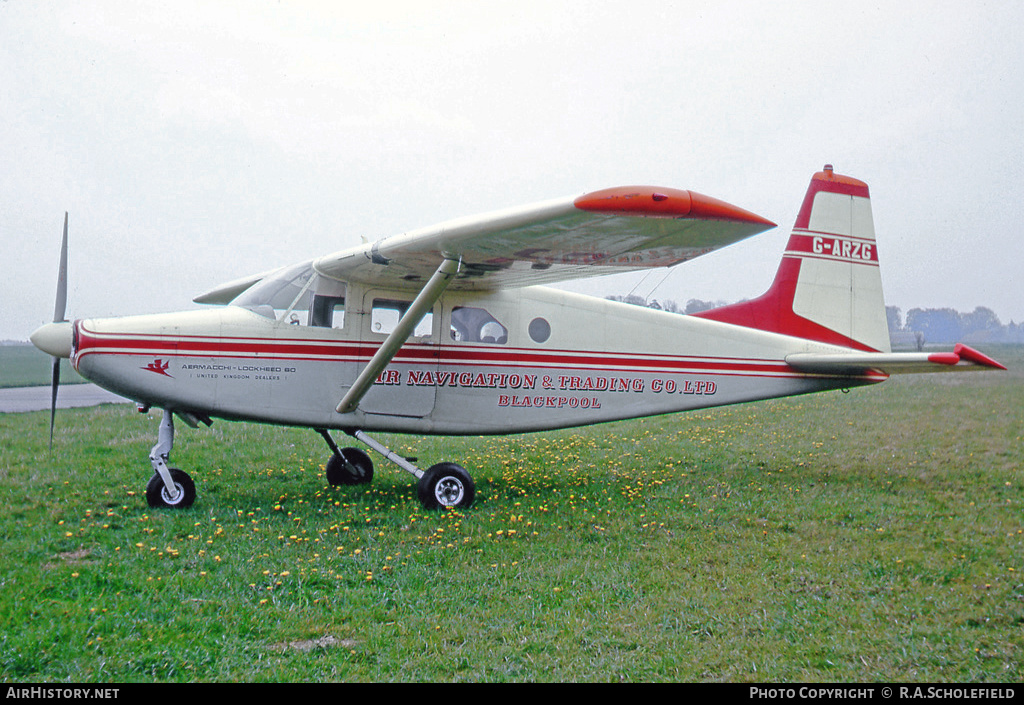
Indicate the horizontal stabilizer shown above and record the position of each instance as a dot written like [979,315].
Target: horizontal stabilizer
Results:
[961,358]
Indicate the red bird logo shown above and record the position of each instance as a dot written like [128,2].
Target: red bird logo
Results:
[159,367]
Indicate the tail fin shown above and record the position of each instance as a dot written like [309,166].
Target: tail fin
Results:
[828,287]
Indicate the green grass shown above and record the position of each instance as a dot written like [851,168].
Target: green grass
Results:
[27,366]
[870,536]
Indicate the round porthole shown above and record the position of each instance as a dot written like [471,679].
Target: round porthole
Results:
[540,330]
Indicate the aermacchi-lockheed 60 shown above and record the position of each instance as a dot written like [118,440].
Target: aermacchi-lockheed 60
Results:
[447,330]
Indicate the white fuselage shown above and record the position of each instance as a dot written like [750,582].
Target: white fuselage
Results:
[536,358]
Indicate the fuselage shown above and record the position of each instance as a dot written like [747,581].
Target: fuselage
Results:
[507,361]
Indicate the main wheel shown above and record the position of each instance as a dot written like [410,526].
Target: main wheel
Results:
[156,491]
[446,485]
[360,472]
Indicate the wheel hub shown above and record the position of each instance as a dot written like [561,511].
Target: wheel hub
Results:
[167,497]
[449,491]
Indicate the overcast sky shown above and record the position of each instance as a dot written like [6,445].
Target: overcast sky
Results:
[197,142]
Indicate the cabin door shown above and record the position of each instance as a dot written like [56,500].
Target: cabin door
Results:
[407,386]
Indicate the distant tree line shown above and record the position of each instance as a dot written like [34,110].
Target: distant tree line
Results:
[921,326]
[692,306]
[947,325]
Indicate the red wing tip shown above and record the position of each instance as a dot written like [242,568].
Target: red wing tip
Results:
[968,353]
[714,209]
[944,358]
[640,200]
[664,202]
[962,352]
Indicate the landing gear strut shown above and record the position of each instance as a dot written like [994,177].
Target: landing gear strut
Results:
[347,466]
[442,485]
[169,487]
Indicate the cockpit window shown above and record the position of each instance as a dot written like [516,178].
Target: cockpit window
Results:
[297,295]
[476,325]
[283,295]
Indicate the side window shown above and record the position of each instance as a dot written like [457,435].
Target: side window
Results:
[328,311]
[476,325]
[386,313]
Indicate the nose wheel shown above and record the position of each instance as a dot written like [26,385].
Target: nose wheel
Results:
[169,487]
[184,494]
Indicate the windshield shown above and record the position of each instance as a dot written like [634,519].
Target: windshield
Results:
[284,294]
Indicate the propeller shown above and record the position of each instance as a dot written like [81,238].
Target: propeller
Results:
[55,338]
[60,306]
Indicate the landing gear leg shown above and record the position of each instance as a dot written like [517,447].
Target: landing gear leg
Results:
[169,487]
[346,466]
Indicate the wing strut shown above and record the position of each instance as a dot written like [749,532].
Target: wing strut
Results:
[430,293]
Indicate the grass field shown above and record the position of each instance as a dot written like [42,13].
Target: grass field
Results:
[870,536]
[26,366]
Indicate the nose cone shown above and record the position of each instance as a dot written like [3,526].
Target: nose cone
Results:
[53,339]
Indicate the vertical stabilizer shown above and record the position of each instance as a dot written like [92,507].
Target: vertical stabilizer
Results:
[828,287]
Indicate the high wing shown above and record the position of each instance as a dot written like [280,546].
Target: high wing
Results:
[602,232]
[614,230]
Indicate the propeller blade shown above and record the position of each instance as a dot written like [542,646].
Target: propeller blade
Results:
[59,311]
[61,304]
[54,384]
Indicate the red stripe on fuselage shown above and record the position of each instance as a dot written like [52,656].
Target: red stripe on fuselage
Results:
[462,356]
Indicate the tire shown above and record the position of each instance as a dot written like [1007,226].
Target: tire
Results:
[339,474]
[156,492]
[446,485]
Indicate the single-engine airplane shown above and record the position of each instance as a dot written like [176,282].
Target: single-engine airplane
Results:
[448,330]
